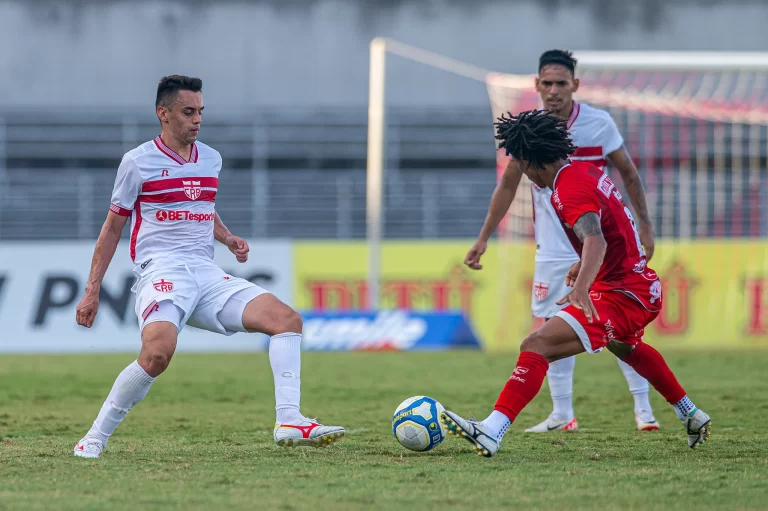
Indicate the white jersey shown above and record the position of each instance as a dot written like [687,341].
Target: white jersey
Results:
[595,135]
[171,202]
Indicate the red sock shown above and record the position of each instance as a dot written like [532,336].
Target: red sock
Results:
[523,385]
[651,365]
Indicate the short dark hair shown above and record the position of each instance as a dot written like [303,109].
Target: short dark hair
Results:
[537,136]
[170,85]
[558,57]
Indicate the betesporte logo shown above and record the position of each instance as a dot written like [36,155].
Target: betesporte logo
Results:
[184,215]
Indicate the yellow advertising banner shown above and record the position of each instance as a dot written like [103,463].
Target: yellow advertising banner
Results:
[714,292]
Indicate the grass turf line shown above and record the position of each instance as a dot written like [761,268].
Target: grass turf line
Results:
[203,437]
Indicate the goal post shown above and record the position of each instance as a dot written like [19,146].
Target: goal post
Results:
[377,127]
[672,60]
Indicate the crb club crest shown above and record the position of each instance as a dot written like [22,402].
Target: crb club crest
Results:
[540,290]
[192,189]
[162,285]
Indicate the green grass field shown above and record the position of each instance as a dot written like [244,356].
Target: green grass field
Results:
[202,439]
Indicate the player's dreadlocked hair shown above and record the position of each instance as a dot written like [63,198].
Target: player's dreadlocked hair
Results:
[558,57]
[536,136]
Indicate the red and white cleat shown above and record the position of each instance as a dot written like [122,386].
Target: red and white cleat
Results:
[306,433]
[646,423]
[554,424]
[89,448]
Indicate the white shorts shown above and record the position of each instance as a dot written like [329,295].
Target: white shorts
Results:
[549,287]
[200,292]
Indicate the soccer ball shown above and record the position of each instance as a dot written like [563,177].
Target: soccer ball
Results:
[416,423]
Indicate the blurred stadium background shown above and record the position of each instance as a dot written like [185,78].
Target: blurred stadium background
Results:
[286,88]
[287,106]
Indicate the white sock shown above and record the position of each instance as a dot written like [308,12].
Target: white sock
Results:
[683,407]
[496,424]
[560,378]
[638,386]
[130,387]
[285,359]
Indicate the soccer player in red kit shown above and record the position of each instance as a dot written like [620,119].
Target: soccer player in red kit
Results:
[614,296]
[599,142]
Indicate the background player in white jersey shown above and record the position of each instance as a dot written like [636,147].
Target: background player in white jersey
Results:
[598,140]
[168,188]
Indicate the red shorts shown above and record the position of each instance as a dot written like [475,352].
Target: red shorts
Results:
[622,318]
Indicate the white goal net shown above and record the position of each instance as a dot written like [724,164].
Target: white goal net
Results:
[696,128]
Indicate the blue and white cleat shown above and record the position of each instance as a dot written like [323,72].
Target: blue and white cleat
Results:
[472,431]
[697,425]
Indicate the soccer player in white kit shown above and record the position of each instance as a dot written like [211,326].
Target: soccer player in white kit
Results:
[167,187]
[597,139]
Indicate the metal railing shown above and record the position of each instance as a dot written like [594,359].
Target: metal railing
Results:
[302,175]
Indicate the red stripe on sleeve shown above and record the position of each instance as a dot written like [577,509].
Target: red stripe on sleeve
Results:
[114,208]
[588,151]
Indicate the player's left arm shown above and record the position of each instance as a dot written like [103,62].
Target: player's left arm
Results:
[235,244]
[578,205]
[634,186]
[588,229]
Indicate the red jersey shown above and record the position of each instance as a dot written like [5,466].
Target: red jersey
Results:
[581,188]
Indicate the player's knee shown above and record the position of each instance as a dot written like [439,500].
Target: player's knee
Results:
[620,349]
[154,362]
[158,345]
[534,342]
[159,361]
[290,321]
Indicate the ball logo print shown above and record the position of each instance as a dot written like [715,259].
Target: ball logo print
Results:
[416,424]
[192,189]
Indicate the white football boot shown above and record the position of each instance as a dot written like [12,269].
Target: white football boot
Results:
[697,425]
[554,424]
[472,431]
[306,433]
[646,423]
[89,448]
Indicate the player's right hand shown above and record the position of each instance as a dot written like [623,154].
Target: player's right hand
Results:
[87,309]
[573,274]
[580,299]
[475,253]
